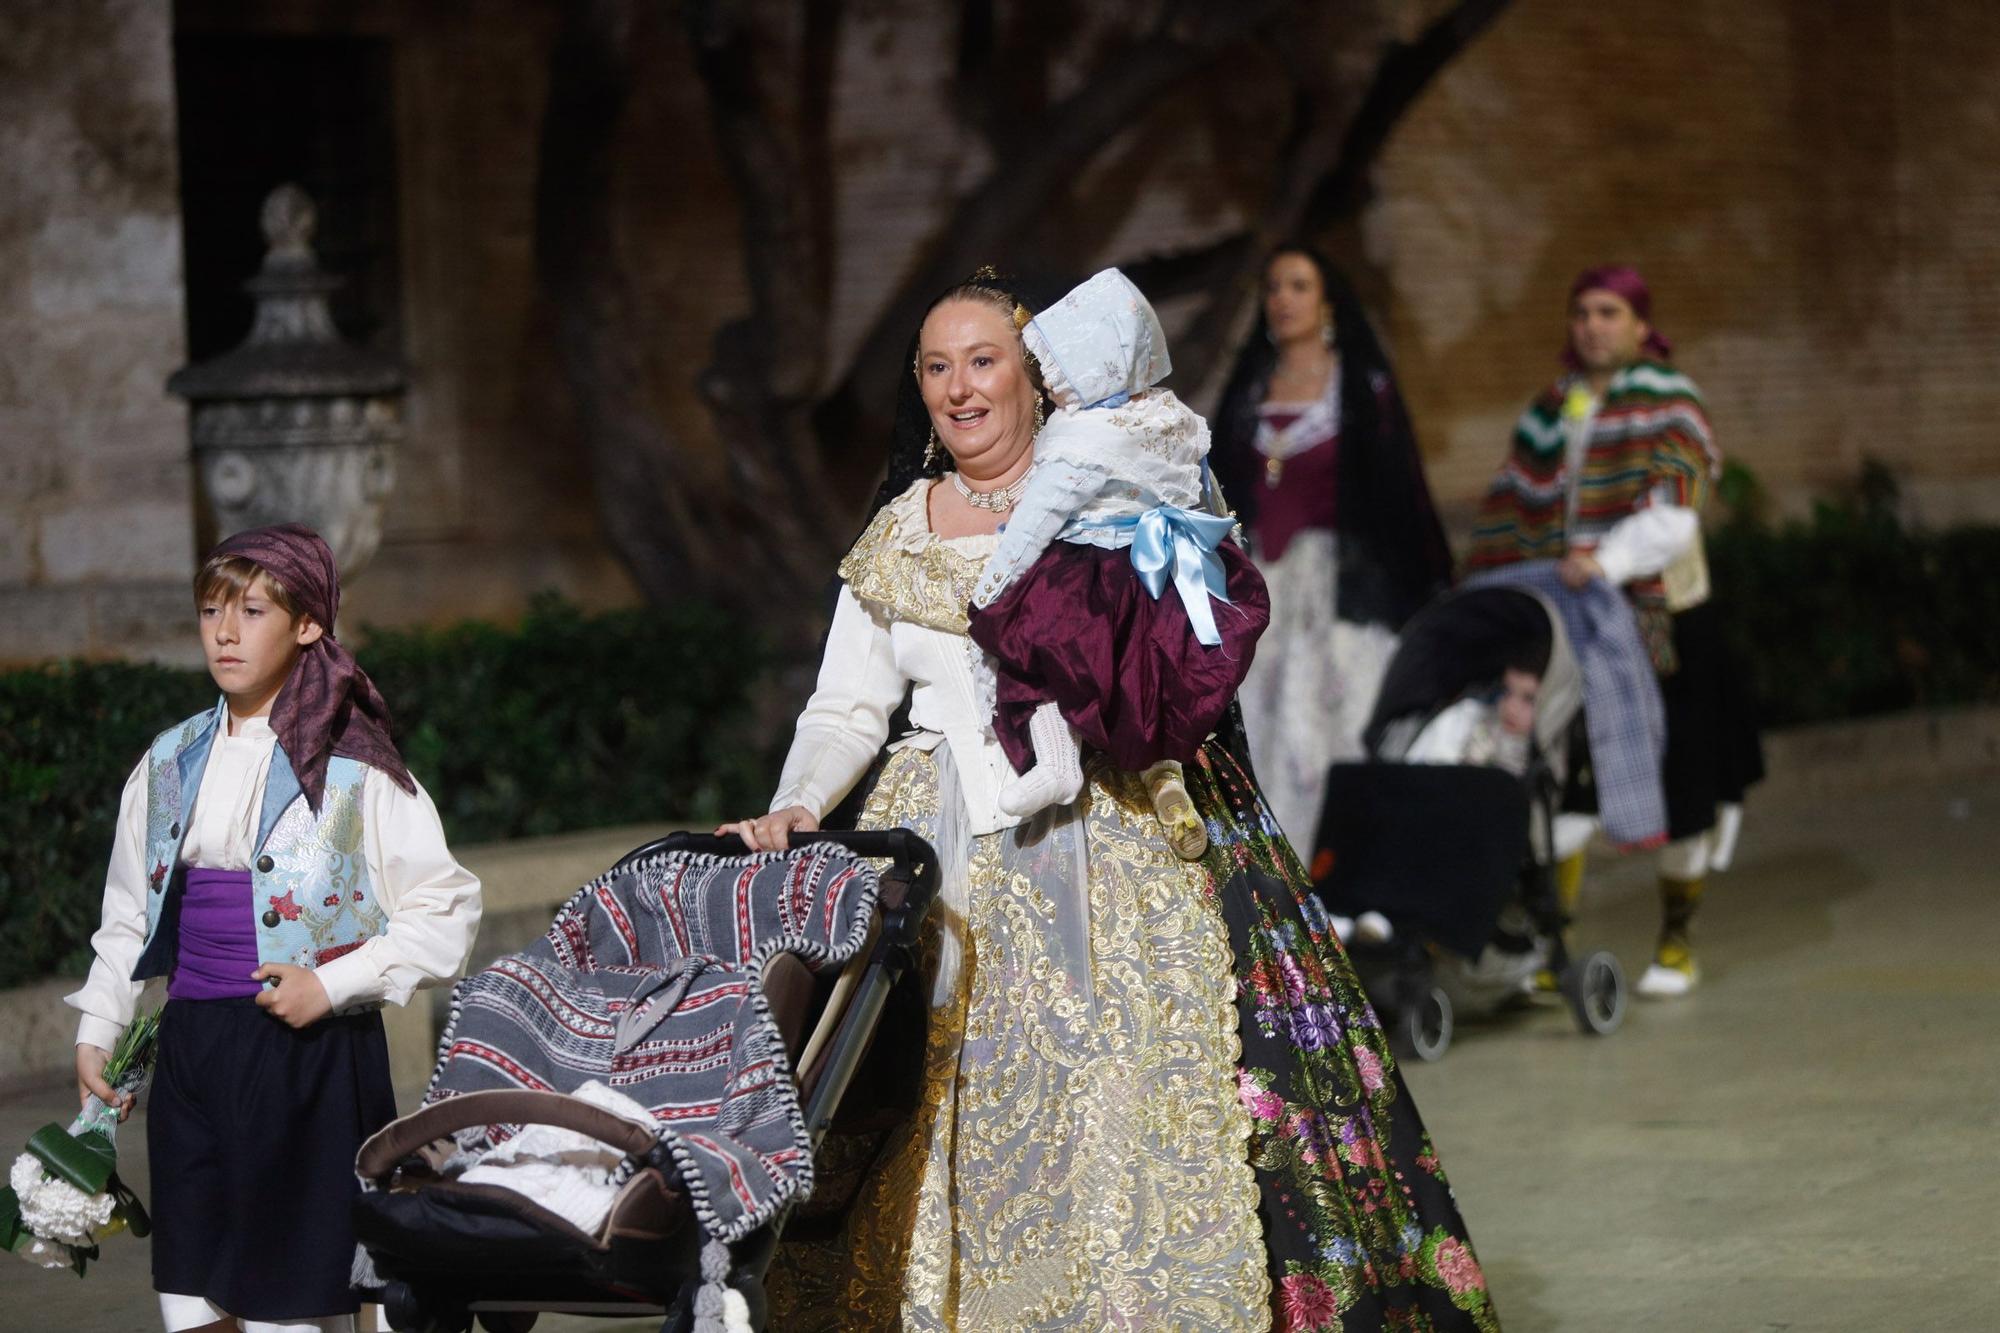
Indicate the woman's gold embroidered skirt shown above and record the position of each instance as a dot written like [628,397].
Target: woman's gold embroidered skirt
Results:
[1079,1157]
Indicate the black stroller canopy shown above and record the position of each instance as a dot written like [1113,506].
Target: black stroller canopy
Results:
[1462,639]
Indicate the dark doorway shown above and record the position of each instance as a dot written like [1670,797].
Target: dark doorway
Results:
[256,111]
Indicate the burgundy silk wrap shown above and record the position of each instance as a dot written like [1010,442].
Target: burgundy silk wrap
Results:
[328,706]
[1080,630]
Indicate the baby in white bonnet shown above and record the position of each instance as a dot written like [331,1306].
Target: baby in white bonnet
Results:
[1117,454]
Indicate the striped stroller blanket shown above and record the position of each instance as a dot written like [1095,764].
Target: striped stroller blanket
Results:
[649,981]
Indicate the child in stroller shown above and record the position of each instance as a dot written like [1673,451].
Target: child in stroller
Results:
[1473,724]
[1493,725]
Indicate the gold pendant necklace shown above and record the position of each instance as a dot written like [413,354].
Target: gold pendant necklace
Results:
[1274,471]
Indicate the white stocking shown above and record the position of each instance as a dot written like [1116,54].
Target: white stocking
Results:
[1057,775]
[186,1312]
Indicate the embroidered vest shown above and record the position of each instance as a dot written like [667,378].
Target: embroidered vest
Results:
[310,890]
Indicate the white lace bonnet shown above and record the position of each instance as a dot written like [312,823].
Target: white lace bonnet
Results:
[1100,344]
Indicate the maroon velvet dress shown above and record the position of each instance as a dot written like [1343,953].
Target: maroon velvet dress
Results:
[1298,492]
[1080,630]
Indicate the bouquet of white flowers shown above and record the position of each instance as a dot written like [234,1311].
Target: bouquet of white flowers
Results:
[63,1194]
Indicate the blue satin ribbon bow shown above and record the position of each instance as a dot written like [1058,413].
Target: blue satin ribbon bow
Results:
[1184,541]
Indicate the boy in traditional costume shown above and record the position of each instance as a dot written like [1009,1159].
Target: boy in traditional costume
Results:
[278,864]
[1608,473]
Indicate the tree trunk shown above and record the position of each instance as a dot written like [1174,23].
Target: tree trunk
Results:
[798,457]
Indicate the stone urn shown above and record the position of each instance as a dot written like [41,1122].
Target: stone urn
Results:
[294,424]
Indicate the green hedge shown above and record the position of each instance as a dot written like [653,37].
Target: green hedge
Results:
[68,739]
[567,722]
[1851,612]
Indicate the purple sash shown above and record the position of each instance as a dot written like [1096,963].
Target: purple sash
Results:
[218,938]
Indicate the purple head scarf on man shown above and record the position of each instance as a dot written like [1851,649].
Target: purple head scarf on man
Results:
[328,706]
[1624,282]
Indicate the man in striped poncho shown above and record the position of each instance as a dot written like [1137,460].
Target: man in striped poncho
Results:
[1607,473]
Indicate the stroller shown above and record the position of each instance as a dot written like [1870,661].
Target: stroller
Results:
[712,1039]
[1460,858]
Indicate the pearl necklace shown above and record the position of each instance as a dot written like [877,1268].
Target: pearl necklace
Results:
[994,502]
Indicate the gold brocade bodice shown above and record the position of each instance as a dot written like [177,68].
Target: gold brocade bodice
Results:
[903,568]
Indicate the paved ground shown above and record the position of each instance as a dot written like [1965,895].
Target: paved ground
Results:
[1807,1143]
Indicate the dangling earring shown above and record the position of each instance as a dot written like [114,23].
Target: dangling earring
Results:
[1038,414]
[933,454]
[1326,328]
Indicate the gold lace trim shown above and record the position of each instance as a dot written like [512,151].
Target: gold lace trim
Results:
[900,566]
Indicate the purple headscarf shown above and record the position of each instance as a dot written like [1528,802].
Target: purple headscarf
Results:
[328,706]
[1622,281]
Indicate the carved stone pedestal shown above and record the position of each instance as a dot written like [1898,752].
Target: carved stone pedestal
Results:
[295,424]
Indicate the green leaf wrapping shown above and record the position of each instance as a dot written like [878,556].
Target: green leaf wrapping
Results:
[12,1233]
[86,1161]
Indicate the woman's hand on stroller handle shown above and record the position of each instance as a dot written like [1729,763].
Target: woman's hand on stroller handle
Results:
[772,832]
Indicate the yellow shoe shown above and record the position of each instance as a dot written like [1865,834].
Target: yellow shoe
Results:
[1569,881]
[1673,972]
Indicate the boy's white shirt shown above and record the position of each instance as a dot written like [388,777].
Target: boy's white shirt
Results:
[432,902]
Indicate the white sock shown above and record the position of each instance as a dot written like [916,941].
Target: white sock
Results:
[178,1311]
[1057,775]
[1728,827]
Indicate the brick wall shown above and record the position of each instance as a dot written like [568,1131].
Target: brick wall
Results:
[1808,188]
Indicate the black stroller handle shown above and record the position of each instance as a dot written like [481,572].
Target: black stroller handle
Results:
[898,844]
[906,891]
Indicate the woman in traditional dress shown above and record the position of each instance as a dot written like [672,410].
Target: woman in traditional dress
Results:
[1314,450]
[1153,1094]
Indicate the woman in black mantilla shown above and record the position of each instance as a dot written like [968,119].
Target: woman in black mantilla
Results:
[1313,449]
[1153,1094]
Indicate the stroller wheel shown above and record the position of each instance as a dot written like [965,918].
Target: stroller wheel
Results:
[1427,1025]
[407,1313]
[1595,987]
